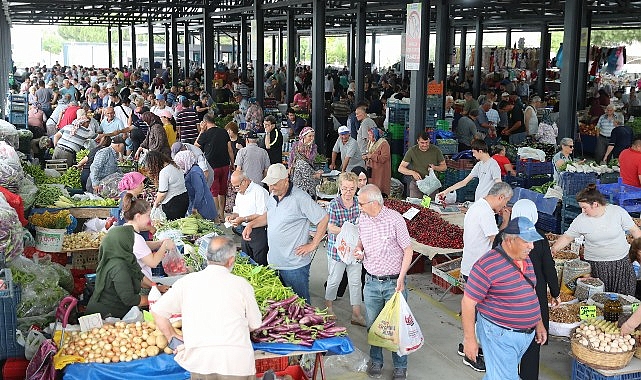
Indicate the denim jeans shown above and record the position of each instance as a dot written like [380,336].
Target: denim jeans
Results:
[503,349]
[298,280]
[376,294]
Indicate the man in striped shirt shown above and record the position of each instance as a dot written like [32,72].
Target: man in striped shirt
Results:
[500,295]
[71,139]
[187,123]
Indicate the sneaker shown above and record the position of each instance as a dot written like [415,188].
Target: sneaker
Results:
[374,370]
[399,374]
[461,352]
[478,366]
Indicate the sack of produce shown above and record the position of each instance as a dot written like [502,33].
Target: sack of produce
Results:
[572,270]
[27,191]
[587,287]
[11,231]
[109,185]
[384,330]
[9,134]
[10,176]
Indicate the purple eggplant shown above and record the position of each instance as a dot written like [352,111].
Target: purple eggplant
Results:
[284,302]
[269,317]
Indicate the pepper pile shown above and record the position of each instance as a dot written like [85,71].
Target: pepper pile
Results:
[428,228]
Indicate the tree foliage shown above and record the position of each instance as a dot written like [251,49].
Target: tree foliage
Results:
[52,43]
[614,37]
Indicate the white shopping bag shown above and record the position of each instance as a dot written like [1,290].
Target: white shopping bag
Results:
[429,184]
[346,242]
[409,332]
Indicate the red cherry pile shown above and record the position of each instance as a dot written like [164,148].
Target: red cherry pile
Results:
[428,228]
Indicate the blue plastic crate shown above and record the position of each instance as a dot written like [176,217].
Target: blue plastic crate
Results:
[453,176]
[626,196]
[606,178]
[545,205]
[447,149]
[530,167]
[9,347]
[572,183]
[467,192]
[549,223]
[581,371]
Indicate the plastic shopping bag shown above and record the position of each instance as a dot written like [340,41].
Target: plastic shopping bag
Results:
[32,343]
[158,215]
[173,263]
[429,184]
[384,330]
[409,332]
[346,242]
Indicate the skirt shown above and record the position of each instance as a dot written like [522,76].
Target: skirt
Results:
[617,276]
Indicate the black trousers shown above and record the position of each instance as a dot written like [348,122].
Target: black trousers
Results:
[177,206]
[257,247]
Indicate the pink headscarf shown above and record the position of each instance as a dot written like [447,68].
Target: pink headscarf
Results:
[185,159]
[130,181]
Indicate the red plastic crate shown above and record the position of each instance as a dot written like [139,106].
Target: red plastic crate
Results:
[295,371]
[15,369]
[276,364]
[419,266]
[441,283]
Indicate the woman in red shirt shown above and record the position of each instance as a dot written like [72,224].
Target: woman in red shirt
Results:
[504,162]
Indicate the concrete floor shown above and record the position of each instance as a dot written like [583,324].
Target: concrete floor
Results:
[441,327]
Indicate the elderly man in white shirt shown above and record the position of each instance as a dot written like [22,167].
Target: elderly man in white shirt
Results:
[251,199]
[220,337]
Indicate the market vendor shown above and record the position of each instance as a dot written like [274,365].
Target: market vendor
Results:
[220,337]
[85,163]
[417,162]
[105,161]
[563,156]
[630,163]
[606,249]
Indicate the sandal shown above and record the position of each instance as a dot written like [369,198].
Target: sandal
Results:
[359,322]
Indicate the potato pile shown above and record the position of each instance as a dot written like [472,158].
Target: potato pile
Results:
[603,336]
[119,342]
[82,240]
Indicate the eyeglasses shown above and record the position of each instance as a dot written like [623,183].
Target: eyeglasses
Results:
[348,189]
[364,203]
[570,146]
[239,185]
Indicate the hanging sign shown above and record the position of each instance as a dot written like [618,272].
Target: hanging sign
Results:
[254,40]
[413,37]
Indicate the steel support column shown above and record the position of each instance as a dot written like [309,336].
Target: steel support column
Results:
[5,61]
[186,58]
[582,79]
[175,70]
[109,50]
[259,64]
[120,47]
[281,57]
[478,57]
[418,79]
[351,51]
[572,33]
[442,41]
[208,49]
[167,62]
[150,47]
[291,55]
[318,71]
[273,50]
[218,51]
[359,65]
[242,45]
[134,57]
[544,55]
[373,52]
[508,38]
[463,49]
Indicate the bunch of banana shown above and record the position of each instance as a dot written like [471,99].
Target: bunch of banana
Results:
[63,202]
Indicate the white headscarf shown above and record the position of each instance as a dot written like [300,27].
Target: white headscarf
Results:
[525,208]
[185,160]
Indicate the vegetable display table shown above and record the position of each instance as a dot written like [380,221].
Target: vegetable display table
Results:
[164,367]
[429,251]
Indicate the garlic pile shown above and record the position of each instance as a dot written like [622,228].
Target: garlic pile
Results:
[119,342]
[603,336]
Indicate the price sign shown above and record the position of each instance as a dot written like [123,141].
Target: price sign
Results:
[635,306]
[587,312]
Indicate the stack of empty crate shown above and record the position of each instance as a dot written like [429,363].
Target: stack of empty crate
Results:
[571,184]
[626,196]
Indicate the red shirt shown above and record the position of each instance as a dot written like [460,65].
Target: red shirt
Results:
[630,164]
[502,161]
[68,116]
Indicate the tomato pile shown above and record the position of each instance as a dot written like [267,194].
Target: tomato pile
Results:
[428,228]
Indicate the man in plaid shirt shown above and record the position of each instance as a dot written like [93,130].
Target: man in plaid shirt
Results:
[386,255]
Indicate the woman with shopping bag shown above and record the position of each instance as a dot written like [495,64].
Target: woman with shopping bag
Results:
[342,239]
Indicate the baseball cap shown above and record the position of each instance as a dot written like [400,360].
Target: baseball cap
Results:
[118,140]
[251,135]
[505,94]
[343,130]
[524,228]
[275,173]
[160,97]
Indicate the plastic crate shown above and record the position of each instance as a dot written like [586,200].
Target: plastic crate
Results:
[626,196]
[462,163]
[545,205]
[9,348]
[581,371]
[572,183]
[295,371]
[275,364]
[606,178]
[444,285]
[449,148]
[15,369]
[530,167]
[453,176]
[396,131]
[549,223]
[443,277]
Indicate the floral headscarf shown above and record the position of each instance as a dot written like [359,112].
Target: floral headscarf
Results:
[185,160]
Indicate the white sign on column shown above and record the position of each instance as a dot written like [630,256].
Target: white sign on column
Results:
[413,37]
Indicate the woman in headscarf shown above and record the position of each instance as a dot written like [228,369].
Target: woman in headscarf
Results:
[156,139]
[378,159]
[545,272]
[124,260]
[201,160]
[85,164]
[200,199]
[301,162]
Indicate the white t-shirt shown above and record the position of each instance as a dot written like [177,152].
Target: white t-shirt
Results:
[141,249]
[252,202]
[605,235]
[479,224]
[171,181]
[487,172]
